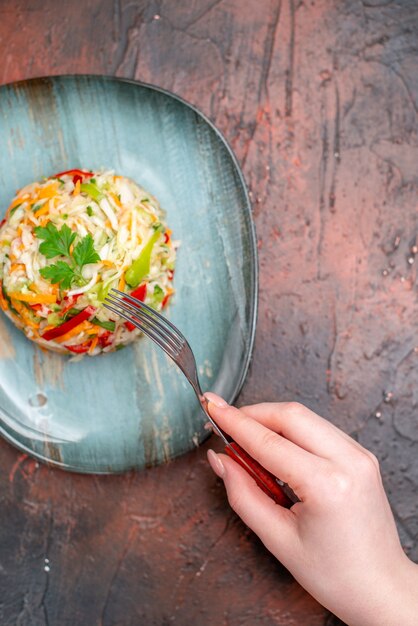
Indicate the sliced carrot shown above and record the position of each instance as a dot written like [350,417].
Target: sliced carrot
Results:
[3,301]
[93,330]
[17,266]
[77,188]
[24,314]
[115,199]
[107,263]
[52,289]
[122,282]
[49,327]
[34,298]
[81,328]
[93,344]
[16,201]
[43,210]
[49,191]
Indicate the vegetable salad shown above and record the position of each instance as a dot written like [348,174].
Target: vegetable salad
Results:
[65,242]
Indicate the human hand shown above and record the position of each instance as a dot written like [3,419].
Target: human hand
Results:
[340,541]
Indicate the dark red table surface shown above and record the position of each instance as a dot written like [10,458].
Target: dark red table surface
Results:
[319,100]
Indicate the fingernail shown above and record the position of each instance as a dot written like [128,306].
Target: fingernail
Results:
[216,463]
[216,400]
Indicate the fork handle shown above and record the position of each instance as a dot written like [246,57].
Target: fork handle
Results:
[264,479]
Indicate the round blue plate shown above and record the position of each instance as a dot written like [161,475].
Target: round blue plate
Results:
[133,408]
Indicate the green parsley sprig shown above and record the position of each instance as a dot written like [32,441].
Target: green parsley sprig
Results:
[59,243]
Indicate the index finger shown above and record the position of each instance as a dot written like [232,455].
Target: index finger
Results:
[302,426]
[286,460]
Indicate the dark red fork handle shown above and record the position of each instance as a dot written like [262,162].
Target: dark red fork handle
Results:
[264,479]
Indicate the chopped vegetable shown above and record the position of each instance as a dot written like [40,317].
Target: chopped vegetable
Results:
[92,190]
[165,300]
[15,208]
[63,329]
[3,300]
[140,292]
[74,172]
[107,325]
[106,339]
[80,348]
[33,298]
[157,296]
[141,266]
[68,303]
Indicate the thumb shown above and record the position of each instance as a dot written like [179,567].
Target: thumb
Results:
[275,525]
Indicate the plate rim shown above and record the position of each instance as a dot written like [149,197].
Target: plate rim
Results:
[251,231]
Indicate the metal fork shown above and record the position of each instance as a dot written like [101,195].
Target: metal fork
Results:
[173,342]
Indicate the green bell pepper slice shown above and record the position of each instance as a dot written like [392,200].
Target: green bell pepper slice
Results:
[107,325]
[141,266]
[92,190]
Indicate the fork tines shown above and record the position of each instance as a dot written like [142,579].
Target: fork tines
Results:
[149,321]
